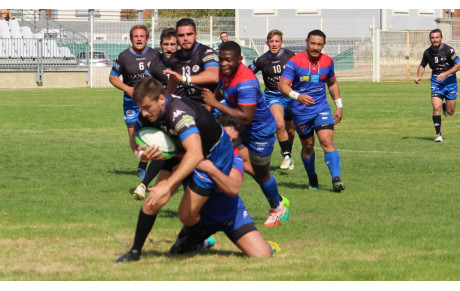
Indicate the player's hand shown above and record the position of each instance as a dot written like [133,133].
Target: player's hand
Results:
[175,75]
[158,196]
[208,97]
[441,77]
[338,115]
[306,100]
[205,165]
[152,153]
[130,91]
[417,80]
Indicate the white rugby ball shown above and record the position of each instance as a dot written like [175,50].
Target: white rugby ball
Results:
[150,136]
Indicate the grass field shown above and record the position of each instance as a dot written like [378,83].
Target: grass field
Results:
[67,173]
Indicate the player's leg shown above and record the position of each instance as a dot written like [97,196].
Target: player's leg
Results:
[331,157]
[281,134]
[278,211]
[450,106]
[147,217]
[308,156]
[436,102]
[254,245]
[152,171]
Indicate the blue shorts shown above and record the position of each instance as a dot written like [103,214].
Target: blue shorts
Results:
[260,146]
[447,88]
[305,124]
[276,98]
[234,226]
[131,110]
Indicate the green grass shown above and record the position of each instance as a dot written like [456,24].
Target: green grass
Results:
[67,173]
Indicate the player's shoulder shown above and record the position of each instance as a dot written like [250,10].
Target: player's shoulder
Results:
[289,53]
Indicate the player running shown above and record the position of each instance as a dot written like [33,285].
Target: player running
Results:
[131,65]
[444,63]
[241,90]
[272,65]
[304,79]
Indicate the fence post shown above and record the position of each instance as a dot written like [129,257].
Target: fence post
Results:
[210,32]
[91,37]
[376,56]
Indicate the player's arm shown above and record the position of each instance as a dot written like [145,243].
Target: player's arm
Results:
[117,83]
[334,91]
[160,194]
[230,184]
[285,88]
[420,71]
[243,112]
[455,68]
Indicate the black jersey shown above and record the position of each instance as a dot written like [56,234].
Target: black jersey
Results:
[439,60]
[132,66]
[272,68]
[156,67]
[183,117]
[201,58]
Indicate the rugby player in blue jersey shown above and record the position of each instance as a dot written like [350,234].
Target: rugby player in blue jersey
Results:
[131,65]
[225,211]
[241,90]
[444,63]
[304,80]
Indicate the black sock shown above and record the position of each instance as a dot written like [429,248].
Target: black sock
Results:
[285,148]
[152,171]
[197,232]
[144,226]
[142,165]
[437,123]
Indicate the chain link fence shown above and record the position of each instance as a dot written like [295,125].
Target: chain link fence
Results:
[374,55]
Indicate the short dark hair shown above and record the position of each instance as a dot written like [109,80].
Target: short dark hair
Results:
[186,22]
[226,120]
[435,31]
[223,33]
[318,33]
[231,46]
[149,87]
[139,26]
[167,33]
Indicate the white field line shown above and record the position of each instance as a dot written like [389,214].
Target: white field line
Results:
[21,130]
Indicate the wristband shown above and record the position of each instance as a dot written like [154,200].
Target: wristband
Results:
[186,79]
[294,95]
[138,154]
[338,103]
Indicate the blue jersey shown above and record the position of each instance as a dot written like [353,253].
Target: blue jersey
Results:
[309,76]
[243,89]
[220,206]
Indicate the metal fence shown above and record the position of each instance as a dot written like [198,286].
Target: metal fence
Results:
[67,45]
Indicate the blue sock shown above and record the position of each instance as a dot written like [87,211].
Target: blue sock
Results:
[309,165]
[332,160]
[270,189]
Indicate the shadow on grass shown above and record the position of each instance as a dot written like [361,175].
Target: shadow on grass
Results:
[418,137]
[153,253]
[124,172]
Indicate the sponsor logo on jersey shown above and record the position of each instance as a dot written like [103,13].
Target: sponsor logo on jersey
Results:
[210,58]
[186,121]
[195,68]
[177,113]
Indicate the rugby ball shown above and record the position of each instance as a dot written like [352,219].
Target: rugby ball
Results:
[150,136]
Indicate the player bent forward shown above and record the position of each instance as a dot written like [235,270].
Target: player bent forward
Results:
[198,135]
[225,211]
